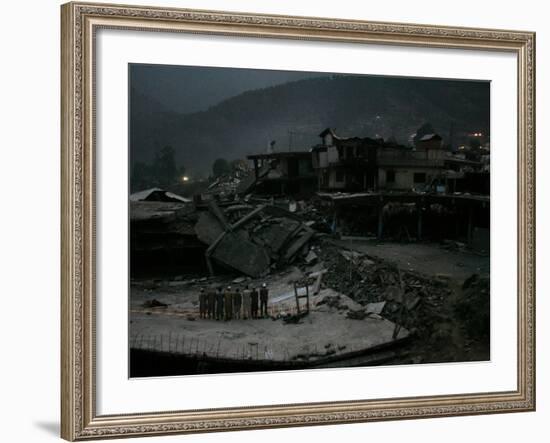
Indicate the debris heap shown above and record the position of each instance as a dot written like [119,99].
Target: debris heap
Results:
[407,298]
[162,225]
[237,181]
[473,307]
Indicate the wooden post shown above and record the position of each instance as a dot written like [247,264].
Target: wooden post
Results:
[256,168]
[335,222]
[470,223]
[209,265]
[380,221]
[457,222]
[419,222]
[297,299]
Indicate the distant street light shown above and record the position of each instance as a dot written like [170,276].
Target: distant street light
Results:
[185,178]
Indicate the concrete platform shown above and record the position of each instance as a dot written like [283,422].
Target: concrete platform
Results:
[325,335]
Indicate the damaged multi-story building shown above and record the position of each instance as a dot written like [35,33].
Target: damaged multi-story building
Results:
[345,163]
[364,164]
[284,173]
[355,164]
[384,189]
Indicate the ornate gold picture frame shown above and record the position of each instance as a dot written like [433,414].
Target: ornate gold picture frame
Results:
[80,22]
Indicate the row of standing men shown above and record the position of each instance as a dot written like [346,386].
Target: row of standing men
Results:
[232,304]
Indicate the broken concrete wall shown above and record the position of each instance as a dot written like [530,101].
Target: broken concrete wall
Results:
[236,251]
[208,228]
[262,237]
[274,233]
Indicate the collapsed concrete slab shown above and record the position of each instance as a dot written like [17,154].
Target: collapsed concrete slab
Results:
[208,228]
[275,233]
[237,252]
[262,237]
[298,243]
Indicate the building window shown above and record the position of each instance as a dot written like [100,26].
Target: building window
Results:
[390,176]
[419,177]
[339,176]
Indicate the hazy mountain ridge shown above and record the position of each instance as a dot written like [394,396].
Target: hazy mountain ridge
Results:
[244,124]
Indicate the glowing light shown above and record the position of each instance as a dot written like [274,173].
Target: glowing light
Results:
[185,178]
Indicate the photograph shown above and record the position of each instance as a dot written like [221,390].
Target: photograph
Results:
[290,220]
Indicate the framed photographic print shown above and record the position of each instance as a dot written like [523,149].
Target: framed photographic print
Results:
[282,221]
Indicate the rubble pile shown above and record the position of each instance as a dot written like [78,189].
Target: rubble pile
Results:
[252,240]
[407,298]
[161,225]
[238,181]
[453,245]
[318,215]
[473,306]
[311,212]
[357,223]
[333,301]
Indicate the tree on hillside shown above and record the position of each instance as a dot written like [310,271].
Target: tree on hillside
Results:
[161,173]
[220,167]
[142,177]
[164,166]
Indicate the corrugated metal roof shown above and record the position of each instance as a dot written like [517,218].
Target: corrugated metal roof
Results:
[148,195]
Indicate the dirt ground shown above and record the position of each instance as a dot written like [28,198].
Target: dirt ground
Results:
[428,258]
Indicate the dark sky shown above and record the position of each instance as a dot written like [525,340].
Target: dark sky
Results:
[189,89]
